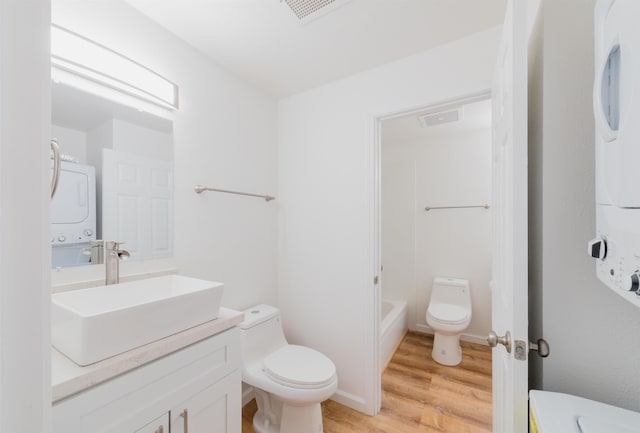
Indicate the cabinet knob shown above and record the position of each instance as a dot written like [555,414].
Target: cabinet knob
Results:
[160,429]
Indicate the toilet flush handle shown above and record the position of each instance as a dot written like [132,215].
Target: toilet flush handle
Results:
[494,340]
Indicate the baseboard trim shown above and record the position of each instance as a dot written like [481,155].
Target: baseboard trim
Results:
[477,339]
[344,398]
[350,400]
[247,396]
[472,338]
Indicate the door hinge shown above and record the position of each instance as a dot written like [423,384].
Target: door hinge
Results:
[375,280]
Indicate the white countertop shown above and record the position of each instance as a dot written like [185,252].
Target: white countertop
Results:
[68,378]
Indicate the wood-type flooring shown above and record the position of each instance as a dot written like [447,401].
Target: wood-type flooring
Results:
[419,395]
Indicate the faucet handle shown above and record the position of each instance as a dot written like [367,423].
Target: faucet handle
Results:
[123,254]
[112,245]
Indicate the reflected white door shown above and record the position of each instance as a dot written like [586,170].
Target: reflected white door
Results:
[509,261]
[137,204]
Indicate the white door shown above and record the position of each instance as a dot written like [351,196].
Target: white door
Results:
[136,204]
[509,273]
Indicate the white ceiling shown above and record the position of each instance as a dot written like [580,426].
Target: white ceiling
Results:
[263,42]
[475,116]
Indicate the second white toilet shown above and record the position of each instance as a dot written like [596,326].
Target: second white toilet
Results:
[289,381]
[448,314]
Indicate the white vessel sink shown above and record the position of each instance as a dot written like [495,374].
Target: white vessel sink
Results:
[90,325]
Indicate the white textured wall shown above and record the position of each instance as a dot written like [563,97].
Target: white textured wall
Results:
[224,136]
[325,164]
[25,115]
[593,333]
[418,245]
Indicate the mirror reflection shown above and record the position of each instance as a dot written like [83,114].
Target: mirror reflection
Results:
[115,178]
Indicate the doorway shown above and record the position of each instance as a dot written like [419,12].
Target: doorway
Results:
[434,214]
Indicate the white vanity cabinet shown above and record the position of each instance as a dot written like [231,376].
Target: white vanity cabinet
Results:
[194,390]
[209,410]
[158,425]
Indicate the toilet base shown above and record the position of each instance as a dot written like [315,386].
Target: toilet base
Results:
[293,419]
[446,349]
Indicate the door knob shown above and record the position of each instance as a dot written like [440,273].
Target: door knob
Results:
[541,346]
[494,340]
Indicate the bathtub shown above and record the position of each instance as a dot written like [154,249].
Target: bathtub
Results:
[393,326]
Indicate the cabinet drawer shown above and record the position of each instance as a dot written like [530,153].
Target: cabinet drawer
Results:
[137,397]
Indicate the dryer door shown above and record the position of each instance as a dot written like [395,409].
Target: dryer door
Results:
[71,202]
[616,100]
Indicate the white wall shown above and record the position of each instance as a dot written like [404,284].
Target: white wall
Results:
[398,224]
[122,135]
[326,203]
[25,378]
[71,141]
[593,333]
[453,169]
[224,136]
[140,140]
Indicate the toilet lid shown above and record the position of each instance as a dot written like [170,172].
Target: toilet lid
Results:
[299,367]
[448,313]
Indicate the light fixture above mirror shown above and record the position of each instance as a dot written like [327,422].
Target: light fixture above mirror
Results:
[82,63]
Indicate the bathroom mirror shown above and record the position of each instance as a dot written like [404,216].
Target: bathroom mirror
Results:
[128,153]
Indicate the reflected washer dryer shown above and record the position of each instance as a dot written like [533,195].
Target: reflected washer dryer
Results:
[616,105]
[73,215]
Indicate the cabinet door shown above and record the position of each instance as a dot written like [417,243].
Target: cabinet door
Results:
[216,409]
[158,425]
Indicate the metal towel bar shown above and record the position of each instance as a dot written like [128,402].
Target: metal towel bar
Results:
[201,188]
[484,206]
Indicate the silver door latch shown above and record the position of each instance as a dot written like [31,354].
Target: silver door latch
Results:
[521,349]
[541,346]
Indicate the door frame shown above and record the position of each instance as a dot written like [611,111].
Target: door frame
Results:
[25,253]
[375,297]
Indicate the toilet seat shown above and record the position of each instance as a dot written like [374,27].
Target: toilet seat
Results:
[299,367]
[448,313]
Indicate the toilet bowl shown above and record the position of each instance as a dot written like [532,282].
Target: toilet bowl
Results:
[289,381]
[448,314]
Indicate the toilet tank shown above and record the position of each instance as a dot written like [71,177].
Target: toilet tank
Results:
[261,332]
[451,291]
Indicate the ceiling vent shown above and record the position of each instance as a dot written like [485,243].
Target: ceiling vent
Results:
[307,10]
[440,118]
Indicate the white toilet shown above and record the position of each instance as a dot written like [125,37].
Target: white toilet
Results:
[448,314]
[289,381]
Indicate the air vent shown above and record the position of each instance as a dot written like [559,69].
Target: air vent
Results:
[307,10]
[440,118]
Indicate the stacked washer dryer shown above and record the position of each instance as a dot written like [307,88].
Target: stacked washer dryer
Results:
[73,215]
[616,103]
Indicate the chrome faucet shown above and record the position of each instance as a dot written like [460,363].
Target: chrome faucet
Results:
[112,256]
